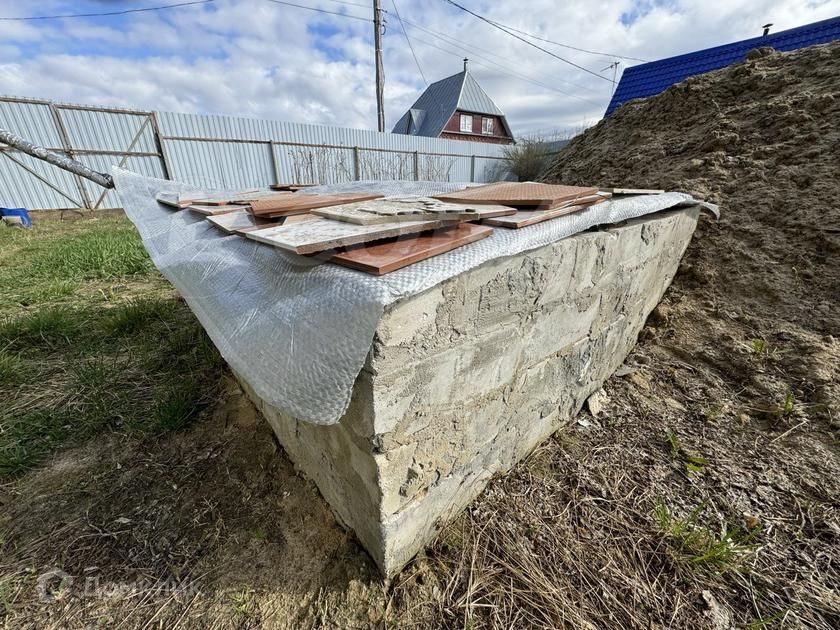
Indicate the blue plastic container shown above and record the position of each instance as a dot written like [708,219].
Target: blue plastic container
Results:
[20,213]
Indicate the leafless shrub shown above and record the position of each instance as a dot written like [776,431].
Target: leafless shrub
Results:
[322,165]
[328,165]
[527,159]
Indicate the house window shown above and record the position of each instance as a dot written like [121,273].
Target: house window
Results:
[487,126]
[466,123]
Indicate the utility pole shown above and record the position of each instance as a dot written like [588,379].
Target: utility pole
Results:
[614,65]
[380,73]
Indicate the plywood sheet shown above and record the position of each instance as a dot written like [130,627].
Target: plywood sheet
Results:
[323,234]
[529,217]
[385,256]
[295,203]
[519,194]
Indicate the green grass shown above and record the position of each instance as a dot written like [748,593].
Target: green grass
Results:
[700,545]
[693,462]
[92,339]
[94,255]
[12,369]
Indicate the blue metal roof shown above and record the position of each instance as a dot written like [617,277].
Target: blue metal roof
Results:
[652,78]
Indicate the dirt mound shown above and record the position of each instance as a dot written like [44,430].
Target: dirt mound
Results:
[743,355]
[762,139]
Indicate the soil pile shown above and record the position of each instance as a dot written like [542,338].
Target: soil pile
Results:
[741,360]
[762,139]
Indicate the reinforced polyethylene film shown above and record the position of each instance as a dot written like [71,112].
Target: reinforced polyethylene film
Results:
[296,328]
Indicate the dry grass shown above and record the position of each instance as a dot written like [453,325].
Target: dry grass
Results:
[703,496]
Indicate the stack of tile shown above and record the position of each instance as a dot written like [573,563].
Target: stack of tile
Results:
[381,235]
[534,202]
[364,231]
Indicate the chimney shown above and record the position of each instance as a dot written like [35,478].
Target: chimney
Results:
[466,61]
[766,28]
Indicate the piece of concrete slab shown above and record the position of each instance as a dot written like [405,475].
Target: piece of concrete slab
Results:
[465,379]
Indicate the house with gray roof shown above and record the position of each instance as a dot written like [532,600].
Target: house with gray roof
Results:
[456,108]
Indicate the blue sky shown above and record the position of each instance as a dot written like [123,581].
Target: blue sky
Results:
[258,58]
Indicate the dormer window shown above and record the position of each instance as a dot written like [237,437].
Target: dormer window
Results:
[487,126]
[466,123]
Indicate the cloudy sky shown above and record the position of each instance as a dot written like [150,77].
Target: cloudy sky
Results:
[261,58]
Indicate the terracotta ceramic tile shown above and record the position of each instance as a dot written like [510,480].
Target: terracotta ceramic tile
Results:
[296,203]
[385,256]
[322,234]
[530,217]
[519,194]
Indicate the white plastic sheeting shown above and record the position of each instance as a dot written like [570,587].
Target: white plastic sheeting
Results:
[299,330]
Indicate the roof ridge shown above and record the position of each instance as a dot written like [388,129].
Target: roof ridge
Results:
[461,89]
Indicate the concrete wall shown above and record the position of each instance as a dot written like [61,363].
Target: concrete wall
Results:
[465,379]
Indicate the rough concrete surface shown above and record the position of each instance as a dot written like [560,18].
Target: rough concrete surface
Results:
[465,379]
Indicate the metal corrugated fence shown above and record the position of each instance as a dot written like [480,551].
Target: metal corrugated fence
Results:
[212,151]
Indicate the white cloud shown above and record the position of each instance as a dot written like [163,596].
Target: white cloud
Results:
[256,58]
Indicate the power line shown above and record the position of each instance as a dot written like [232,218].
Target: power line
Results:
[302,6]
[499,68]
[522,39]
[583,50]
[123,12]
[413,54]
[351,4]
[454,42]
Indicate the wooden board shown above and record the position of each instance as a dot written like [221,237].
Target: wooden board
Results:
[322,234]
[632,191]
[385,256]
[519,194]
[213,210]
[295,203]
[530,217]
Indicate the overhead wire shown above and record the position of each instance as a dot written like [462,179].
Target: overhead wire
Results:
[522,39]
[583,50]
[413,54]
[472,47]
[351,4]
[498,68]
[303,6]
[122,12]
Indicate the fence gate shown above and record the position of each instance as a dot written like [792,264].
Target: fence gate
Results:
[96,136]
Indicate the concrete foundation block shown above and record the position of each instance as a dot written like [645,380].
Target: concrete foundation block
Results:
[465,379]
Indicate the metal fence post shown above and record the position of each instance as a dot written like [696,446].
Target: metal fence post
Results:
[472,168]
[417,166]
[275,168]
[357,167]
[164,161]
